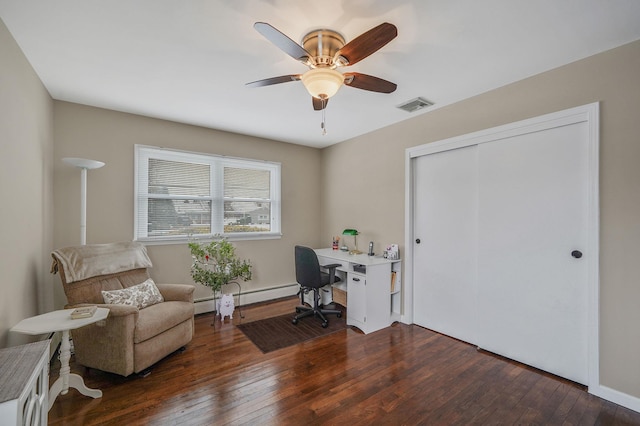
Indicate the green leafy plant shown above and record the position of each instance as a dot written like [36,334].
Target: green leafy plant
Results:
[216,264]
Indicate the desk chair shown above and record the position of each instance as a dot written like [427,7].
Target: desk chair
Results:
[311,277]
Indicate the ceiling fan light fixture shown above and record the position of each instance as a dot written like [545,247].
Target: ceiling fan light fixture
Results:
[322,83]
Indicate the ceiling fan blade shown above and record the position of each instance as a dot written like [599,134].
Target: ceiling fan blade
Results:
[285,44]
[274,80]
[366,44]
[319,104]
[368,82]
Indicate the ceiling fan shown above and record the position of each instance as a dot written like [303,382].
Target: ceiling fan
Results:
[323,51]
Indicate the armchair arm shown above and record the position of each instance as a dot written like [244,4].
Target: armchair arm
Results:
[177,292]
[115,310]
[120,310]
[108,345]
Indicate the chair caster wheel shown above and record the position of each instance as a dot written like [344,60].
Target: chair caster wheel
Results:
[325,324]
[339,315]
[294,321]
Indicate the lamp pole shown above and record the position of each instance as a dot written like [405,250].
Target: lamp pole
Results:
[84,165]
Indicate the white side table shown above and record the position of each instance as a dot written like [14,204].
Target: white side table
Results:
[61,321]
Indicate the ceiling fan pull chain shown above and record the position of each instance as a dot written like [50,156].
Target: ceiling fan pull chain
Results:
[323,125]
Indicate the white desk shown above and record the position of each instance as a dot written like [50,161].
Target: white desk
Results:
[61,321]
[372,303]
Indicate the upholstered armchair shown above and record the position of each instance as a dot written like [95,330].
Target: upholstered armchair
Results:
[146,321]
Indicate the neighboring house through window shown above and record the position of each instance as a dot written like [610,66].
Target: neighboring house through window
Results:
[183,195]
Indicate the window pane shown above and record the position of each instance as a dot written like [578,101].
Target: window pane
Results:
[177,178]
[247,216]
[180,194]
[243,183]
[178,217]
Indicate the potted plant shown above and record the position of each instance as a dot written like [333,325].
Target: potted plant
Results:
[216,264]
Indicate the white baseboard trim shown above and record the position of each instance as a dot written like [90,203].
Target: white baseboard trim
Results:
[209,304]
[620,398]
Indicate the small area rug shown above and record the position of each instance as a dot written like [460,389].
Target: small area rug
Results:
[275,333]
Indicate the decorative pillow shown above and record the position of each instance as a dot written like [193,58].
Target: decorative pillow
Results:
[141,295]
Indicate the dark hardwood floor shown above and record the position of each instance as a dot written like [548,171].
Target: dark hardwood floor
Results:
[402,375]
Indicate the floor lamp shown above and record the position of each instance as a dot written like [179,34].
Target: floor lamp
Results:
[84,165]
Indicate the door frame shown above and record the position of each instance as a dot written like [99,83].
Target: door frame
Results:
[587,113]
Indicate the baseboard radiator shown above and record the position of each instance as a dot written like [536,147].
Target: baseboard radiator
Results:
[208,304]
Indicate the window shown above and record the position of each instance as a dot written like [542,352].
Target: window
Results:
[180,194]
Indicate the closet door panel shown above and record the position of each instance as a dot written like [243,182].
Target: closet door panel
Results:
[446,225]
[532,213]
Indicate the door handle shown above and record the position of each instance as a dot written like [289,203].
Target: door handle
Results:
[577,254]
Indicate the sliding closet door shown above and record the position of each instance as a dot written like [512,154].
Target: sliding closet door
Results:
[445,230]
[532,215]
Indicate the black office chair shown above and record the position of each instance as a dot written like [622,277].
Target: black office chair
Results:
[311,277]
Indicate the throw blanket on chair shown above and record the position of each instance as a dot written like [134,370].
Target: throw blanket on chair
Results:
[82,262]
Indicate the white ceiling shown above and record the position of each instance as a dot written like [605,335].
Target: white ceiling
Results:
[188,61]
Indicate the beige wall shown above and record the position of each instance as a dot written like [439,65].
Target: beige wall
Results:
[26,144]
[361,183]
[369,188]
[108,136]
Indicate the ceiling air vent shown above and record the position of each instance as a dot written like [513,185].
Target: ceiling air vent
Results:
[415,104]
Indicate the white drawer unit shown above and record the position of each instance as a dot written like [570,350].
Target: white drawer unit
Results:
[24,384]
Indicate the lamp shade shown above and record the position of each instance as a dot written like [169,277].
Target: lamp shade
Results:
[83,163]
[322,83]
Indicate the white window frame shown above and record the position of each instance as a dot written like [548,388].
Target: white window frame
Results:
[142,154]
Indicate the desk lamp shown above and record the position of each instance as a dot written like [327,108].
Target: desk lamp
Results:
[355,241]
